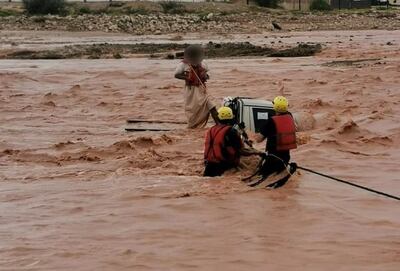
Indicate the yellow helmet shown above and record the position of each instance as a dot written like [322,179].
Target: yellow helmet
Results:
[225,113]
[281,104]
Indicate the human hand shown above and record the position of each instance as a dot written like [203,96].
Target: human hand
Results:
[186,74]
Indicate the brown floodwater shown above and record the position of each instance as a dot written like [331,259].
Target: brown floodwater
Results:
[78,192]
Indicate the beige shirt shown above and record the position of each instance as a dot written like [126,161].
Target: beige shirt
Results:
[198,102]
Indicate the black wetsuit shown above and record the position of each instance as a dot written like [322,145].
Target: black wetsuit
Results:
[233,139]
[276,161]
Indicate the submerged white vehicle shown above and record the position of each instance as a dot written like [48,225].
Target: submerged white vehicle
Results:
[250,113]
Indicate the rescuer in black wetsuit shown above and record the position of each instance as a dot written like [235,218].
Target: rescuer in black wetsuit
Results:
[280,132]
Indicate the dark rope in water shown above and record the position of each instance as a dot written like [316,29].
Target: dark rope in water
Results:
[350,183]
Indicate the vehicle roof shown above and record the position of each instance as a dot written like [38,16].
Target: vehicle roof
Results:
[257,102]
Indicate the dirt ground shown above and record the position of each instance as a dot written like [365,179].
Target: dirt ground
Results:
[78,192]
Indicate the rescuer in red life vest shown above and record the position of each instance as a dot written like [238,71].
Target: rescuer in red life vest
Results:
[224,145]
[280,132]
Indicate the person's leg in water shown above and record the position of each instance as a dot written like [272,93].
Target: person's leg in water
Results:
[214,115]
[215,169]
[273,165]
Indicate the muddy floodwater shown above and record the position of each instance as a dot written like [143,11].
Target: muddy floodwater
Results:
[77,192]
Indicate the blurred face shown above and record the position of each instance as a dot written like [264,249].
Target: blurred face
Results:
[197,60]
[195,56]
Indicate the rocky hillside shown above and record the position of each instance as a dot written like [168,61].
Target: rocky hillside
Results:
[246,22]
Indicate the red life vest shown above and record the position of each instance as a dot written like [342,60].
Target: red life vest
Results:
[215,150]
[285,132]
[195,72]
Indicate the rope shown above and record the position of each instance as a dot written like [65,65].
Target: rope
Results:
[350,183]
[284,163]
[323,175]
[198,77]
[257,170]
[260,165]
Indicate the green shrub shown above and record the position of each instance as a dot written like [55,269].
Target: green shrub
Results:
[172,7]
[139,10]
[7,12]
[320,5]
[45,6]
[268,3]
[84,10]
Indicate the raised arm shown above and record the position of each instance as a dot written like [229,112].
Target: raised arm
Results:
[181,76]
[180,72]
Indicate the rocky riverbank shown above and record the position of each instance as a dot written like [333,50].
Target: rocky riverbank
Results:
[160,50]
[246,22]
